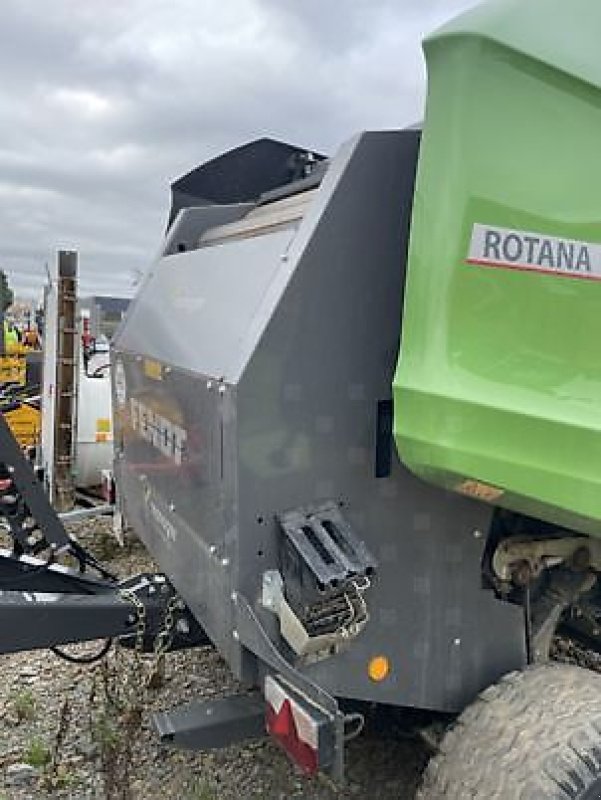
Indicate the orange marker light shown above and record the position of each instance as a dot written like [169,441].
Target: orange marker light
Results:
[378,668]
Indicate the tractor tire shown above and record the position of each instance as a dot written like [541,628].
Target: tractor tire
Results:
[535,735]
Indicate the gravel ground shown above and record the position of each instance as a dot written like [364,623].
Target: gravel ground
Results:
[45,713]
[50,709]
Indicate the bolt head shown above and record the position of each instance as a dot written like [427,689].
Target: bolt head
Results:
[183,626]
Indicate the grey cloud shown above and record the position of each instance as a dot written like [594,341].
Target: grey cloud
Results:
[103,104]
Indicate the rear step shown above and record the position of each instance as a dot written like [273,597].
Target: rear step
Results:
[211,724]
[304,731]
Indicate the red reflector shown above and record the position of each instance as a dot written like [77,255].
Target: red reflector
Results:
[282,726]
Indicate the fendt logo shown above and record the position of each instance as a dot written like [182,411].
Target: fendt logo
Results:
[159,431]
[524,250]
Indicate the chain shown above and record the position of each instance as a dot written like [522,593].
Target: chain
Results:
[131,597]
[120,694]
[163,639]
[357,605]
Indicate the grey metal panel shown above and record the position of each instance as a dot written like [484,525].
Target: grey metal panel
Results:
[187,227]
[262,219]
[191,223]
[307,413]
[198,307]
[305,333]
[186,513]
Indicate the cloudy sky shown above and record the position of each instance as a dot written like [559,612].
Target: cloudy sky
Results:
[104,102]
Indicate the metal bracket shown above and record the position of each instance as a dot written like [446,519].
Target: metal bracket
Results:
[580,553]
[20,477]
[565,590]
[327,544]
[294,632]
[252,635]
[33,523]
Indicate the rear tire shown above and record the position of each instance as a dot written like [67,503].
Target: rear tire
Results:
[535,735]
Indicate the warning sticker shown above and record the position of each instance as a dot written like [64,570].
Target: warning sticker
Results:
[480,491]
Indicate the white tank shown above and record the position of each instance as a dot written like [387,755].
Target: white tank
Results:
[94,443]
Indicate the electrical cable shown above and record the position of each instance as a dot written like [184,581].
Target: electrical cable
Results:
[358,720]
[91,659]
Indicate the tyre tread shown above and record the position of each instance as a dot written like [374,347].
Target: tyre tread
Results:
[534,735]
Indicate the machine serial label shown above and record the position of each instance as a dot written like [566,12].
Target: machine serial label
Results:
[523,250]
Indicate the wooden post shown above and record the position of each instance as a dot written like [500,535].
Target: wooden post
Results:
[66,384]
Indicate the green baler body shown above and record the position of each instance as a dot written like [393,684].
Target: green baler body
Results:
[498,386]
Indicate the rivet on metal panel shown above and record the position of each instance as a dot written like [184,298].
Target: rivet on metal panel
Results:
[457,642]
[213,549]
[234,596]
[284,256]
[477,534]
[172,506]
[235,634]
[183,626]
[225,562]
[10,469]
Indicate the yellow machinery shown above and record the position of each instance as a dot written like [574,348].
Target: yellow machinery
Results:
[13,364]
[13,369]
[23,416]
[25,422]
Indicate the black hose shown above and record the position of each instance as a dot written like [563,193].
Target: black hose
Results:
[92,659]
